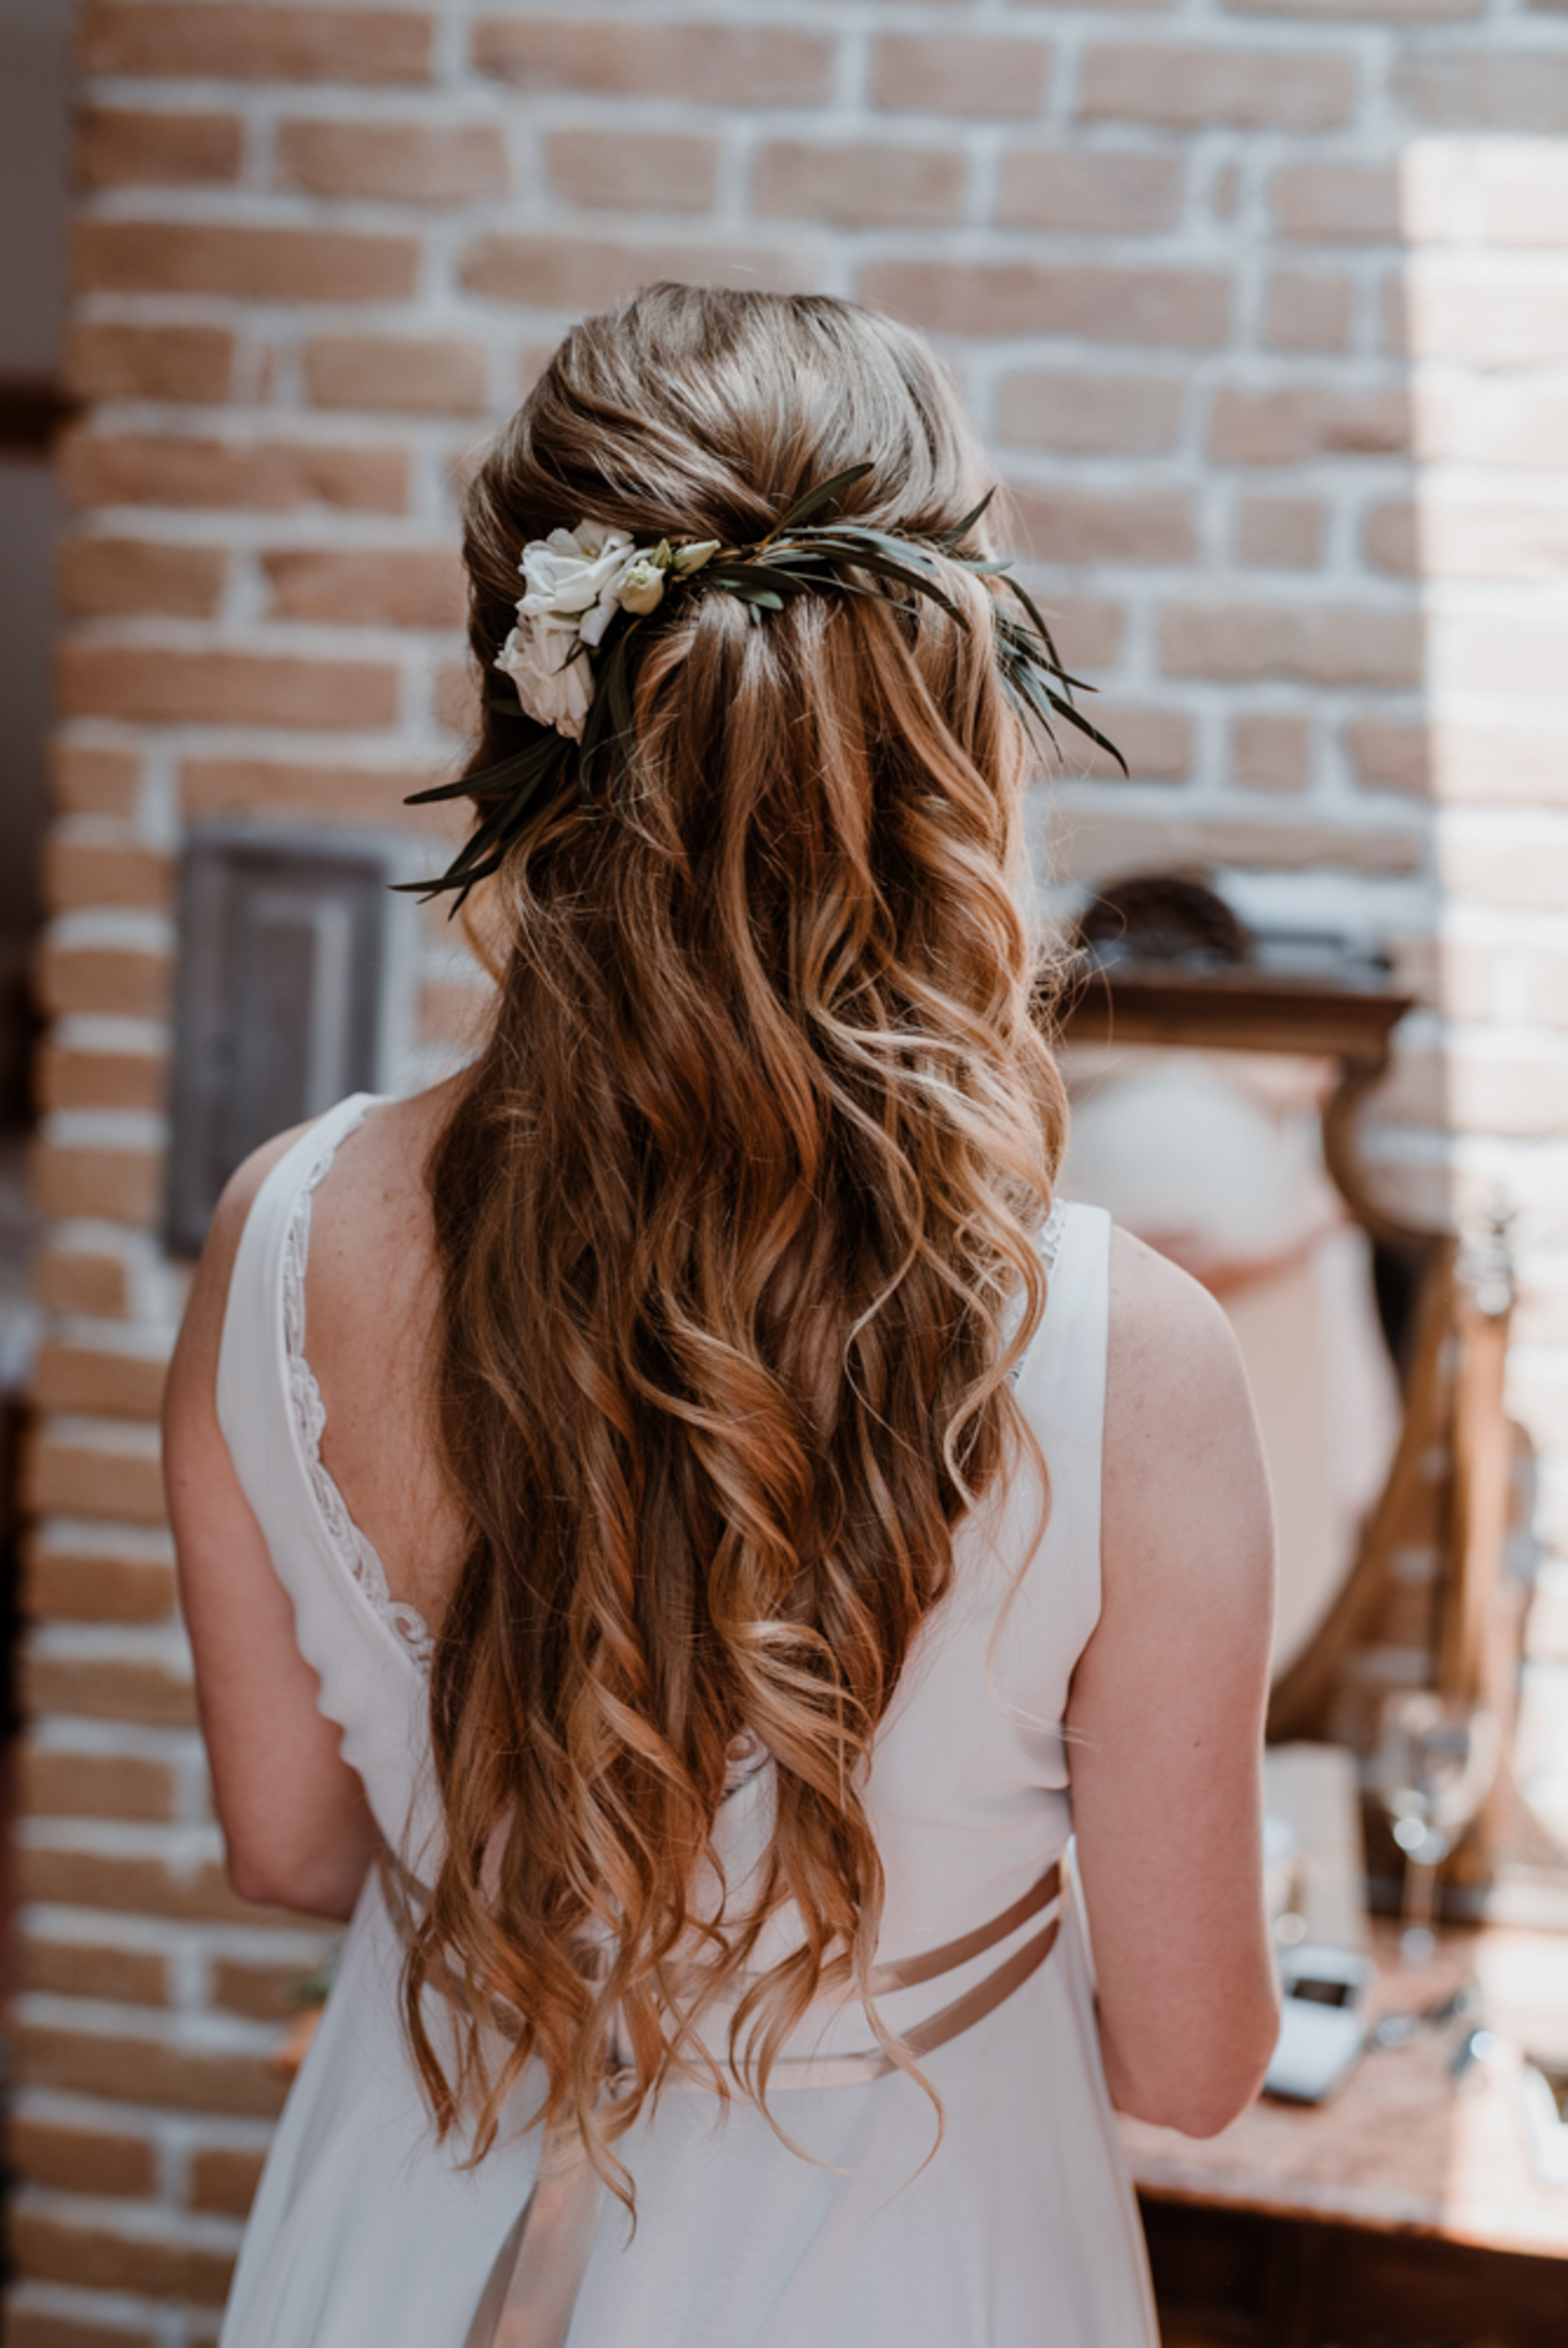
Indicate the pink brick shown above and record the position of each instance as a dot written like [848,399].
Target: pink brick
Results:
[80,872]
[1392,539]
[153,685]
[1157,743]
[1467,312]
[1500,652]
[1316,643]
[87,779]
[1483,90]
[1179,309]
[1499,192]
[1505,426]
[959,73]
[1391,12]
[1122,414]
[417,374]
[107,360]
[1505,860]
[274,475]
[1271,750]
[1307,310]
[1061,525]
[574,273]
[1546,979]
[1089,628]
[1280,533]
[131,147]
[1456,978]
[236,42]
[99,576]
[1497,763]
[635,171]
[1284,428]
[1350,203]
[1390,754]
[1103,845]
[1093,192]
[1513,1094]
[699,64]
[393,587]
[309,792]
[398,162]
[255,264]
[1188,87]
[859,183]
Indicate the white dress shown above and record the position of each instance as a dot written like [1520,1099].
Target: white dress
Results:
[1021,2231]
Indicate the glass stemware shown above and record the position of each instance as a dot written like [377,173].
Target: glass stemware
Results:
[1436,1758]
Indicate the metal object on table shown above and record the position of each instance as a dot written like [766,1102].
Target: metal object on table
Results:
[1436,1758]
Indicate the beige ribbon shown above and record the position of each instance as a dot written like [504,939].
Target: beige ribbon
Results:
[532,2290]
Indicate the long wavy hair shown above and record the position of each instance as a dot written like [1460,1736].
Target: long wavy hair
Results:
[736,1220]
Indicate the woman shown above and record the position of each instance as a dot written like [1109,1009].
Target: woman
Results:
[730,1528]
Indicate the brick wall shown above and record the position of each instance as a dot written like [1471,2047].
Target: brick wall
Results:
[1264,310]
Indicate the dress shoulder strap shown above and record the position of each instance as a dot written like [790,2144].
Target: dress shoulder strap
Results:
[264,1316]
[365,1651]
[270,1406]
[1062,1391]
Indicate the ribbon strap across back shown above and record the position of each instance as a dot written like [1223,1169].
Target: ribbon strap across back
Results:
[532,2289]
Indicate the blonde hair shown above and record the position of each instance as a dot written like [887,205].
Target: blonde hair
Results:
[733,1216]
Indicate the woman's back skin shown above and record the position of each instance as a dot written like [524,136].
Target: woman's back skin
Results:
[1167,1701]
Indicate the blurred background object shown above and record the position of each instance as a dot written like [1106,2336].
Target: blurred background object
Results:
[34,116]
[1264,316]
[33,86]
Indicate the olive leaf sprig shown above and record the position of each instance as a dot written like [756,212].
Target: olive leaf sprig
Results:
[798,556]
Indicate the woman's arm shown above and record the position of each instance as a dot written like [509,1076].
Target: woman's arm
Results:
[296,1826]
[1167,1708]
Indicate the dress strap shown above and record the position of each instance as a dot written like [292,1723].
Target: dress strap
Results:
[528,2300]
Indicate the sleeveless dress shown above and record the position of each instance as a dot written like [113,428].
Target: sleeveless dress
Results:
[1018,2231]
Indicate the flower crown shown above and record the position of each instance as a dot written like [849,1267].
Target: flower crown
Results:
[590,590]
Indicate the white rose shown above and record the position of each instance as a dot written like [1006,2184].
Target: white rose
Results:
[552,687]
[567,573]
[640,587]
[691,558]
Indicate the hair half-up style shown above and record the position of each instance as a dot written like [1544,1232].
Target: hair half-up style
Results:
[736,1219]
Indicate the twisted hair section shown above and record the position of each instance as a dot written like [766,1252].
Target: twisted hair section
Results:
[736,1215]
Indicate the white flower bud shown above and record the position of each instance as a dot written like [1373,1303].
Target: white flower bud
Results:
[641,586]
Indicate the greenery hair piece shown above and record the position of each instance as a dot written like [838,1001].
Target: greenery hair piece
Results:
[798,556]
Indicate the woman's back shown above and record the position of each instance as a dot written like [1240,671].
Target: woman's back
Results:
[967,1791]
[684,1501]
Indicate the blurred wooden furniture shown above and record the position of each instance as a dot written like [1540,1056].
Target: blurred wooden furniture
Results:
[1164,961]
[1316,1788]
[1404,2210]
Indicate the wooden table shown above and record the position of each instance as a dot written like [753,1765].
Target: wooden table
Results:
[1404,2212]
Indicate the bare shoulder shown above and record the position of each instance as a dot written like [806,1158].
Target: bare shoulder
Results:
[371,1234]
[195,1362]
[1163,1325]
[383,1171]
[1181,1447]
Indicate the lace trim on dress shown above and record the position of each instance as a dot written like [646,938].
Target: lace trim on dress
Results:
[358,1556]
[406,1623]
[1051,1238]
